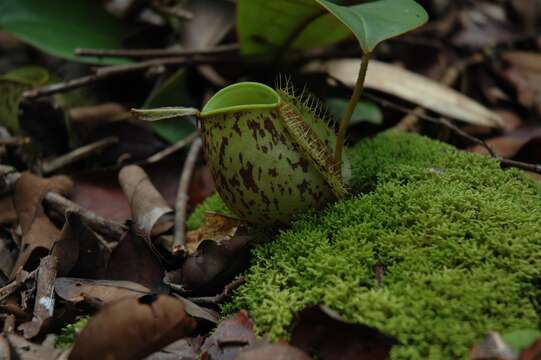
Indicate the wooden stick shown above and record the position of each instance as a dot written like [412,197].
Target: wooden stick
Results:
[111,71]
[173,148]
[77,155]
[158,53]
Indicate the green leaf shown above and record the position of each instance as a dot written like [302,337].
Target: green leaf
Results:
[365,111]
[267,28]
[172,92]
[521,339]
[58,27]
[12,86]
[374,22]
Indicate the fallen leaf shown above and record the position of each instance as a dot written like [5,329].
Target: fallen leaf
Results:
[484,26]
[26,350]
[76,290]
[215,264]
[100,193]
[412,87]
[45,301]
[104,292]
[493,347]
[183,349]
[198,312]
[5,349]
[8,255]
[525,76]
[8,215]
[231,335]
[38,232]
[272,352]
[510,144]
[319,330]
[80,251]
[532,353]
[133,260]
[133,328]
[216,227]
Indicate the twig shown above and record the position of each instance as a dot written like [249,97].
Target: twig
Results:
[173,148]
[110,71]
[106,227]
[77,155]
[101,225]
[181,204]
[175,11]
[15,141]
[15,285]
[535,168]
[220,298]
[158,53]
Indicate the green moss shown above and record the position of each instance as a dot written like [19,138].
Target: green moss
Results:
[212,204]
[459,239]
[69,332]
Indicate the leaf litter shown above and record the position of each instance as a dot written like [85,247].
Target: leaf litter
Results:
[108,251]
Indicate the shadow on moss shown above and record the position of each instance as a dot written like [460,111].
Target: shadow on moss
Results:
[458,238]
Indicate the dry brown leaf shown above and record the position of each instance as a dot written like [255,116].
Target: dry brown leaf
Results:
[415,88]
[319,330]
[272,352]
[104,291]
[214,264]
[492,348]
[45,301]
[80,251]
[216,227]
[133,260]
[510,144]
[231,335]
[525,75]
[8,215]
[26,350]
[533,352]
[133,328]
[39,233]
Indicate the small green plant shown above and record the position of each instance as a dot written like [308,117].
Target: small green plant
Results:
[69,333]
[270,153]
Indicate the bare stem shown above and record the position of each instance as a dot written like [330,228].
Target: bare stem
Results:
[179,243]
[346,118]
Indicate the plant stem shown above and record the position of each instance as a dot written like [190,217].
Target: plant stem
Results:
[346,118]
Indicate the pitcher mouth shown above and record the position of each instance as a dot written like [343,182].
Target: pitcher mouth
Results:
[241,97]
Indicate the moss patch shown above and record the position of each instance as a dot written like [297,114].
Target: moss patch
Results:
[69,332]
[459,239]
